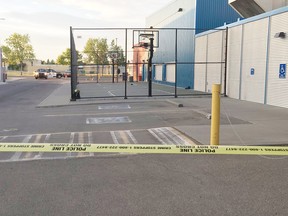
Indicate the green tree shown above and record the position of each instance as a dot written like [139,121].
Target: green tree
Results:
[18,49]
[65,57]
[96,50]
[120,60]
[6,52]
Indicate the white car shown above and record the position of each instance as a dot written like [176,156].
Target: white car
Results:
[41,73]
[51,73]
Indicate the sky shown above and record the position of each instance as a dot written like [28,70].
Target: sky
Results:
[47,22]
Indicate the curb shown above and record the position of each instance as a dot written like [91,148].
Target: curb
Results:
[175,103]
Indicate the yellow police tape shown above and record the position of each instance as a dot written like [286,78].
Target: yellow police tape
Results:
[143,149]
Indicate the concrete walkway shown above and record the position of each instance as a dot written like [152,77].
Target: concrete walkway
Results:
[264,124]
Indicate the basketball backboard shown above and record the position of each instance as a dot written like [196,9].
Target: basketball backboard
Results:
[141,38]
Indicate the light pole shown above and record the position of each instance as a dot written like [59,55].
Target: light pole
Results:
[1,71]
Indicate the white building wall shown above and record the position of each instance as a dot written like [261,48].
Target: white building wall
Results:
[200,67]
[209,58]
[170,73]
[214,59]
[158,72]
[254,56]
[277,89]
[234,61]
[252,45]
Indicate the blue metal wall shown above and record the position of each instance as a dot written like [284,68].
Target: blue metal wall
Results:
[185,49]
[208,14]
[212,14]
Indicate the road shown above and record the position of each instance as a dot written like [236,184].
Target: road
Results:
[124,184]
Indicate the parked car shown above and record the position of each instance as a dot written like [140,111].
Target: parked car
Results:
[54,73]
[67,74]
[41,73]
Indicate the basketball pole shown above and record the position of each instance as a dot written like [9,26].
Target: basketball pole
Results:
[150,67]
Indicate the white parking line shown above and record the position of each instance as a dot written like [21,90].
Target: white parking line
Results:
[183,140]
[131,137]
[170,136]
[90,140]
[81,140]
[113,135]
[17,155]
[72,136]
[40,154]
[123,137]
[110,93]
[3,138]
[161,138]
[29,154]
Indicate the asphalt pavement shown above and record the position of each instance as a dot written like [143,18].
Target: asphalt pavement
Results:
[242,122]
[137,184]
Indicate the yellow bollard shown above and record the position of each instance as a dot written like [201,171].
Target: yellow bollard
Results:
[215,114]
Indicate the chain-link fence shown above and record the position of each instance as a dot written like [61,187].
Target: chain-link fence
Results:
[120,62]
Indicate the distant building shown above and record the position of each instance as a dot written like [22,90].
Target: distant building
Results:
[33,65]
[140,56]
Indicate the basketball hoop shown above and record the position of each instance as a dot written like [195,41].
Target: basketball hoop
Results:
[141,38]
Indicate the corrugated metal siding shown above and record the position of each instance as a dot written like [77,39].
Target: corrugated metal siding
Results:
[234,61]
[209,58]
[200,69]
[214,59]
[169,17]
[254,56]
[278,88]
[212,14]
[166,50]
